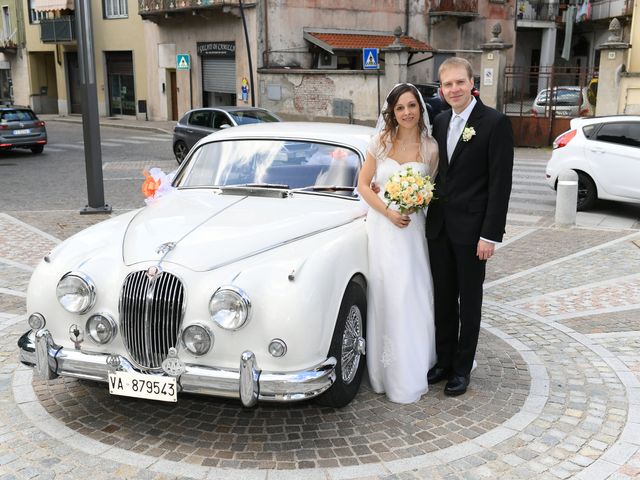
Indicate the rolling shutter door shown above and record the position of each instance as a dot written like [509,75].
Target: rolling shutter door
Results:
[219,75]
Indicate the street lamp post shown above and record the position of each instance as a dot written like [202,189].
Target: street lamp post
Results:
[90,117]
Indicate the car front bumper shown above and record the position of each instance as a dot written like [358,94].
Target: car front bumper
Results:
[248,382]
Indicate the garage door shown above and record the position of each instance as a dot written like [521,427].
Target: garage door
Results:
[219,75]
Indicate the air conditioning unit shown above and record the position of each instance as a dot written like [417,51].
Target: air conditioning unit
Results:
[326,60]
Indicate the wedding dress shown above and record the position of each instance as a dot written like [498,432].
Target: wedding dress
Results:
[400,319]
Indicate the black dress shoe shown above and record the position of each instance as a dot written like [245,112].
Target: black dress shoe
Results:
[437,374]
[457,385]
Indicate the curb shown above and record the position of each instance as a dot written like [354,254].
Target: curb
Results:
[112,124]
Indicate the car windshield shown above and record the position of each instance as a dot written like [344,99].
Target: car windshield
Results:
[562,97]
[243,117]
[16,116]
[282,163]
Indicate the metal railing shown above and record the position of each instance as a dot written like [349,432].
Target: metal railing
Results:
[56,30]
[150,7]
[543,11]
[454,7]
[604,9]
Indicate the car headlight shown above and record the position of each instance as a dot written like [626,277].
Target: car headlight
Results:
[76,292]
[230,307]
[101,328]
[197,339]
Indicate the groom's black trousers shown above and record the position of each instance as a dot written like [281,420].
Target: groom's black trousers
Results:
[458,275]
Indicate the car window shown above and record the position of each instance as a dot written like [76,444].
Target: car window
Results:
[588,130]
[293,163]
[243,117]
[561,97]
[220,119]
[17,116]
[200,118]
[622,133]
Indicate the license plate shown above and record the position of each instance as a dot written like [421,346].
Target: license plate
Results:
[24,131]
[143,386]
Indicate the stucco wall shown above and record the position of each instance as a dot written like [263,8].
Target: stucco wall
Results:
[184,32]
[287,46]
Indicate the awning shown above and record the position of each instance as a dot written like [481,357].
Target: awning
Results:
[333,39]
[48,5]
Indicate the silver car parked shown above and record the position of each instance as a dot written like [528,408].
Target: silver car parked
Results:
[199,123]
[564,102]
[21,128]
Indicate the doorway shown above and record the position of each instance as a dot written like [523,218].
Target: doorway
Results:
[122,98]
[173,89]
[73,73]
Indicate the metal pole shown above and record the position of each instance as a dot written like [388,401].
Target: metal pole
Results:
[378,75]
[191,83]
[246,39]
[90,117]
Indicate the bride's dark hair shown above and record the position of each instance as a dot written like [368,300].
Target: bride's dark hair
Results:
[390,122]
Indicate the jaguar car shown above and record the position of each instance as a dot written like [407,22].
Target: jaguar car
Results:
[246,279]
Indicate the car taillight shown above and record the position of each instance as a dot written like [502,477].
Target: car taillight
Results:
[39,123]
[4,127]
[564,139]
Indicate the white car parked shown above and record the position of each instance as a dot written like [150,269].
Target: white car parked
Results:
[605,153]
[247,280]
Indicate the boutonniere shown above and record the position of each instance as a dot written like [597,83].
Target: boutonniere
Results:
[468,133]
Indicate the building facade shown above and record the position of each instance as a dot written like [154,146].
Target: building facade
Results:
[50,60]
[12,43]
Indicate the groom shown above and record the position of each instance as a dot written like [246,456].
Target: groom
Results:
[466,219]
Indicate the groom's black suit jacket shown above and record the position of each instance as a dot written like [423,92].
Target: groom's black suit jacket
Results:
[472,191]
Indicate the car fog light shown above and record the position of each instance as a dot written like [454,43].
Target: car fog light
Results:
[101,328]
[197,339]
[36,321]
[277,347]
[230,307]
[76,292]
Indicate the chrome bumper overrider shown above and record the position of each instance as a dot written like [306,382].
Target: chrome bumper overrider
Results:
[248,383]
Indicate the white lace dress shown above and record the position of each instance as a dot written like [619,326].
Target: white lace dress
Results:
[400,321]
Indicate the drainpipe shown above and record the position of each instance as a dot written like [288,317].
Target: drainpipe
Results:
[246,39]
[406,17]
[265,59]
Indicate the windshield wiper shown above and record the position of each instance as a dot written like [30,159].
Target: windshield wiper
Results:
[256,185]
[325,188]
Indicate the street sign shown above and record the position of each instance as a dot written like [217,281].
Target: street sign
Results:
[183,61]
[370,59]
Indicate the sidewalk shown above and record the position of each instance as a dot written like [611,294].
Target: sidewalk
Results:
[556,393]
[163,126]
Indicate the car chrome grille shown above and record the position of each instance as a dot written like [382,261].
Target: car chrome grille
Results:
[150,316]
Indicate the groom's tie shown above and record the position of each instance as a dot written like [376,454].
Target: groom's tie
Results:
[455,129]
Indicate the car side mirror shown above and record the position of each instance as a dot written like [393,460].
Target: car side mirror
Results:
[224,125]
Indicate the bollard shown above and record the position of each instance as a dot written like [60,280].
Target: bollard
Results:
[567,198]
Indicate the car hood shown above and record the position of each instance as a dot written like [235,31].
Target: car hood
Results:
[203,230]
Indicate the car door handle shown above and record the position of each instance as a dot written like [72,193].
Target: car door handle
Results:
[189,130]
[597,150]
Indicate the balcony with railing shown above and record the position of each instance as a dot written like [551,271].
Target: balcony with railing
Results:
[541,14]
[8,42]
[150,8]
[454,8]
[608,9]
[58,30]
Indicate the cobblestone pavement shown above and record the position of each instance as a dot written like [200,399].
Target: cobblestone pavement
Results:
[556,393]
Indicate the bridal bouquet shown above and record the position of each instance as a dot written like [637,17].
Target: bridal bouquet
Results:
[408,190]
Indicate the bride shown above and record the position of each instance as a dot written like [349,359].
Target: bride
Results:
[400,324]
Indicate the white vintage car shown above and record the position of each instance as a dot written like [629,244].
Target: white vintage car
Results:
[246,280]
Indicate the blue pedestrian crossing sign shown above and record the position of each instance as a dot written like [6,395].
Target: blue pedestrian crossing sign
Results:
[183,61]
[370,59]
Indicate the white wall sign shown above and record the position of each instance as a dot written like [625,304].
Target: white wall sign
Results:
[488,76]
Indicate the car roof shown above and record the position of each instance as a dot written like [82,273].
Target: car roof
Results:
[582,121]
[355,135]
[14,107]
[230,108]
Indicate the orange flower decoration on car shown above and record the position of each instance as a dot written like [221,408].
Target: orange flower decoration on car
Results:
[150,185]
